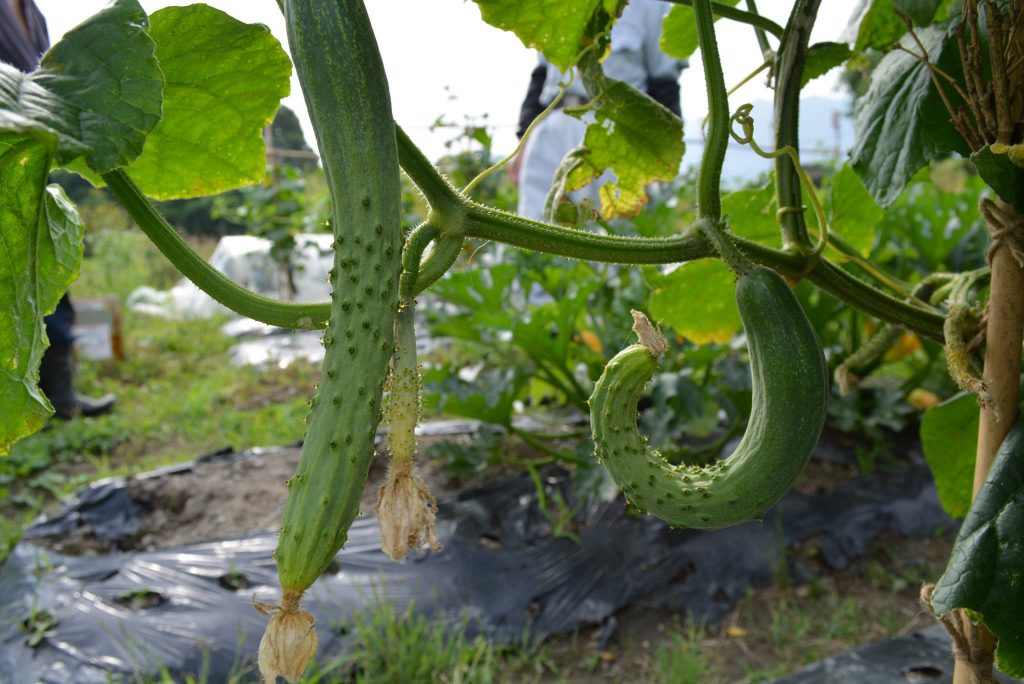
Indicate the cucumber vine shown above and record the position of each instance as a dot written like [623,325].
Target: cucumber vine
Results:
[379,269]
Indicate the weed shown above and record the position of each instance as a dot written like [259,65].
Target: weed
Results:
[680,659]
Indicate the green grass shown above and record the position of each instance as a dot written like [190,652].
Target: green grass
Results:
[405,647]
[680,659]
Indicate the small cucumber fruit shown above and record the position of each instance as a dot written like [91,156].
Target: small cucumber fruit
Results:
[790,396]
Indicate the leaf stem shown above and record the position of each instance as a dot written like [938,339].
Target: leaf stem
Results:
[206,277]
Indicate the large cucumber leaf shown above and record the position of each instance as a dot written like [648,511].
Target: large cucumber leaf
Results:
[922,12]
[901,123]
[224,82]
[679,31]
[561,29]
[633,136]
[96,94]
[698,299]
[984,571]
[41,235]
[880,27]
[852,213]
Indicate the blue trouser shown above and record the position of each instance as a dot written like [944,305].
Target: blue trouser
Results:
[58,324]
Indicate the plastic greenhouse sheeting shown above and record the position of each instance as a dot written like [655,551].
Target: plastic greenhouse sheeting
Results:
[245,259]
[189,609]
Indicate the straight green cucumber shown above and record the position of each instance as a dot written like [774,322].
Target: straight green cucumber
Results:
[346,92]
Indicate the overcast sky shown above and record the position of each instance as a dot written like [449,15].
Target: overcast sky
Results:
[435,50]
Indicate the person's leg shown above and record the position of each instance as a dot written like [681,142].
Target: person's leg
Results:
[57,369]
[549,142]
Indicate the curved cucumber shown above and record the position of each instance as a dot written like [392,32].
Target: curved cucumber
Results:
[346,92]
[790,395]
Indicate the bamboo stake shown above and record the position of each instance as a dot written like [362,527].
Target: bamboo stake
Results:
[1002,373]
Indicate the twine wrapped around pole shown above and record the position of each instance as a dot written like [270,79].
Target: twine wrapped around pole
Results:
[978,661]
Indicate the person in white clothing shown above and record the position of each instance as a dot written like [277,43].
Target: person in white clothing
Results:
[635,58]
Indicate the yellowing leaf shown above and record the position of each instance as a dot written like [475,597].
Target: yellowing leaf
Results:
[1002,169]
[636,138]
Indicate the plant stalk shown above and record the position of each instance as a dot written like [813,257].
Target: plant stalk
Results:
[789,69]
[709,178]
[1002,375]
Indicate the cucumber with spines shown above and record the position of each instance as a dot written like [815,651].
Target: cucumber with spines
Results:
[347,96]
[346,92]
[790,396]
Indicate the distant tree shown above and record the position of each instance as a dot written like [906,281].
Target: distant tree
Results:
[286,134]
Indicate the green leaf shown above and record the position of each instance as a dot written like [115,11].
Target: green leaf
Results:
[901,123]
[561,29]
[921,12]
[96,93]
[984,572]
[225,80]
[853,214]
[679,31]
[949,437]
[697,300]
[822,58]
[880,27]
[636,138]
[1002,168]
[41,235]
[489,397]
[752,212]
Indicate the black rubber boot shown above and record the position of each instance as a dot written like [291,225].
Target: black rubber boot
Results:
[56,379]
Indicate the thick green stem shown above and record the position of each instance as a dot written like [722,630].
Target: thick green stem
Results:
[493,224]
[709,178]
[412,253]
[728,12]
[444,199]
[446,249]
[208,279]
[789,72]
[418,273]
[853,291]
[716,232]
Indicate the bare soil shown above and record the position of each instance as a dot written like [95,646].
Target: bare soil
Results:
[219,498]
